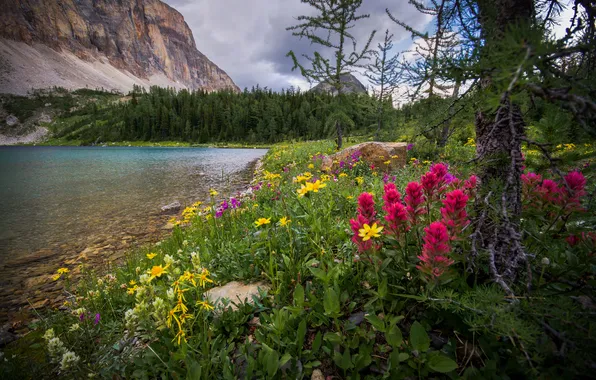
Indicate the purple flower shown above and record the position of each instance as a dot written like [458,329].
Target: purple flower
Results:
[385,178]
[410,146]
[97,318]
[286,169]
[224,205]
[219,212]
[342,164]
[82,317]
[449,178]
[235,202]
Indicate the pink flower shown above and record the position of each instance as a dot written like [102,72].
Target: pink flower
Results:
[576,182]
[454,212]
[572,240]
[391,196]
[430,184]
[470,186]
[397,217]
[440,170]
[433,260]
[414,199]
[366,206]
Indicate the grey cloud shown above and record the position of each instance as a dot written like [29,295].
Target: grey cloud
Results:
[249,40]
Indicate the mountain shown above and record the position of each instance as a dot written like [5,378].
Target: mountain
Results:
[350,82]
[111,44]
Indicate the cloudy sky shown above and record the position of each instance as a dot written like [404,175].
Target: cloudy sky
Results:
[248,38]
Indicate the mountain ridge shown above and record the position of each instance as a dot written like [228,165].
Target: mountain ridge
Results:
[101,43]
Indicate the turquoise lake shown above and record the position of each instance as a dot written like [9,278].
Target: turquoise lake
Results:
[67,198]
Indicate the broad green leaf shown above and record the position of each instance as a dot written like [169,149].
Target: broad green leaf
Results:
[332,338]
[419,338]
[299,296]
[319,273]
[284,359]
[272,363]
[383,288]
[394,336]
[331,303]
[376,322]
[301,333]
[441,363]
[402,357]
[316,344]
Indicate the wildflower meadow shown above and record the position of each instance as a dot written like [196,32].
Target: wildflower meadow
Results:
[368,273]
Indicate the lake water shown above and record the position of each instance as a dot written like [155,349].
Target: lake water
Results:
[57,201]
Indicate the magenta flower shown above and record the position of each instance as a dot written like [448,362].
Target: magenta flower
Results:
[97,318]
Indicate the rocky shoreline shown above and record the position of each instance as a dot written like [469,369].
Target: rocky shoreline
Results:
[26,284]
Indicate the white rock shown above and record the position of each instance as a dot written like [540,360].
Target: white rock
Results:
[235,292]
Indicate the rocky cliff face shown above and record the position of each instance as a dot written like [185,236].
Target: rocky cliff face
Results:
[120,42]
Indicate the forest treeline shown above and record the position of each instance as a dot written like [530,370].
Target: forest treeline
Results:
[253,116]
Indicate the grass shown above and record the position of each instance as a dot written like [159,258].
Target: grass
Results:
[331,307]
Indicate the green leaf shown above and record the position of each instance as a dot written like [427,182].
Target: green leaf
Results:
[441,363]
[394,336]
[299,296]
[402,357]
[332,338]
[301,333]
[316,344]
[284,359]
[319,273]
[312,364]
[376,322]
[383,288]
[331,303]
[272,363]
[419,338]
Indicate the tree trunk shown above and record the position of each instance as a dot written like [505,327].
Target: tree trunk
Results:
[339,135]
[498,148]
[446,130]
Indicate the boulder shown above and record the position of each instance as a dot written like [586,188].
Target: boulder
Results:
[11,120]
[235,292]
[385,156]
[172,208]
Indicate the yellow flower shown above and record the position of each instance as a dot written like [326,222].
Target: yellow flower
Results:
[368,232]
[187,276]
[262,221]
[205,305]
[302,191]
[180,336]
[62,270]
[56,277]
[311,166]
[388,162]
[342,175]
[394,156]
[132,290]
[349,197]
[132,282]
[314,187]
[157,271]
[359,180]
[284,221]
[150,256]
[203,278]
[213,192]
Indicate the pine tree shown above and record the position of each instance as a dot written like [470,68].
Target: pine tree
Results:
[384,73]
[330,29]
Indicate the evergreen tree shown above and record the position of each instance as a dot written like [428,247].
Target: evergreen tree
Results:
[385,75]
[330,29]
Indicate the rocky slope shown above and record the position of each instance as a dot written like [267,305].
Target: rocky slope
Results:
[350,82]
[113,44]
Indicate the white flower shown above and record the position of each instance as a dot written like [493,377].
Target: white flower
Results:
[545,261]
[68,359]
[130,319]
[138,270]
[55,348]
[170,294]
[99,282]
[49,334]
[79,311]
[144,278]
[169,260]
[185,243]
